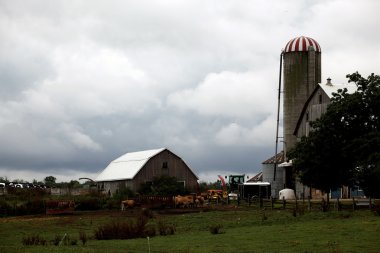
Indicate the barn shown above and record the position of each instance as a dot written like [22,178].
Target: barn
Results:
[305,99]
[317,104]
[132,170]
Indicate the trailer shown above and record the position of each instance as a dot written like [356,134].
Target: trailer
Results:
[251,190]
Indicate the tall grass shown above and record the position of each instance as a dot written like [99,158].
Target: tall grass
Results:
[245,230]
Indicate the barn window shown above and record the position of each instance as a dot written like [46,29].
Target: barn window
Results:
[165,168]
[320,98]
[182,184]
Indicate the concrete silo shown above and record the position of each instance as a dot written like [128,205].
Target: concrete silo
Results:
[302,72]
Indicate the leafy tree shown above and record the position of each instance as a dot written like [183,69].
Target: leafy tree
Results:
[4,180]
[163,186]
[344,146]
[50,181]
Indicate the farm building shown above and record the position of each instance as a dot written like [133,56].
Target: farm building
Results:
[305,99]
[313,108]
[317,104]
[135,169]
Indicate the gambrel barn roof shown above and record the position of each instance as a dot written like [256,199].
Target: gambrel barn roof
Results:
[128,165]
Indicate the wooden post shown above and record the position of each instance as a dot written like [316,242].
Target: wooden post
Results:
[337,204]
[353,203]
[283,203]
[272,202]
[370,203]
[309,203]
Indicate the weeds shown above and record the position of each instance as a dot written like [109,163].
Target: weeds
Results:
[216,229]
[64,240]
[34,240]
[165,228]
[123,230]
[83,237]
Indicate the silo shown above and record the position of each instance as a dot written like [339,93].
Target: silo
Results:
[302,72]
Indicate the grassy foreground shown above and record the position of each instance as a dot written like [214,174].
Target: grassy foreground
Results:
[243,230]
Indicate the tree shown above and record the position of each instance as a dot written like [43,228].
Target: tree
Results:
[163,186]
[50,181]
[4,180]
[344,146]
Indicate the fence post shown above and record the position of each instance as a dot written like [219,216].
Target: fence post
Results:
[283,203]
[337,204]
[272,202]
[309,203]
[370,203]
[353,203]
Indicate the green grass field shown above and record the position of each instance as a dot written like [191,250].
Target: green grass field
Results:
[243,230]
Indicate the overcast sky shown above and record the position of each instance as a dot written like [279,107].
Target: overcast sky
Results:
[83,82]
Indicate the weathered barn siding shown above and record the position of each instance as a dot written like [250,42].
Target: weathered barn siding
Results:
[154,163]
[111,187]
[314,108]
[166,163]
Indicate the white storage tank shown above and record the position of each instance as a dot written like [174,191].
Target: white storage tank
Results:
[287,194]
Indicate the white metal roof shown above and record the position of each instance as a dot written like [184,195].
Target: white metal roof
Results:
[257,183]
[333,88]
[127,166]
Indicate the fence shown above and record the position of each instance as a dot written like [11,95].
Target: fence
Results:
[315,204]
[155,201]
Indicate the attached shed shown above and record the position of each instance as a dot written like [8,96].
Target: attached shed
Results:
[135,169]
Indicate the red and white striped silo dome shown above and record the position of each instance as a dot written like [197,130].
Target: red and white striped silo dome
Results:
[301,44]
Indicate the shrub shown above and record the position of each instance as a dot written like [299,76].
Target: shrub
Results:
[36,206]
[64,240]
[33,240]
[88,203]
[83,237]
[56,240]
[147,213]
[123,230]
[150,231]
[5,208]
[165,229]
[216,229]
[112,204]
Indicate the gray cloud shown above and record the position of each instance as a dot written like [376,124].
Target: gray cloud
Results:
[84,82]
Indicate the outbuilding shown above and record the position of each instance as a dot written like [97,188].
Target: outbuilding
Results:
[135,169]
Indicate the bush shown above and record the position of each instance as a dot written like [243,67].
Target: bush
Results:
[123,230]
[64,240]
[150,231]
[83,237]
[165,229]
[88,203]
[147,213]
[216,229]
[5,208]
[112,204]
[36,206]
[33,240]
